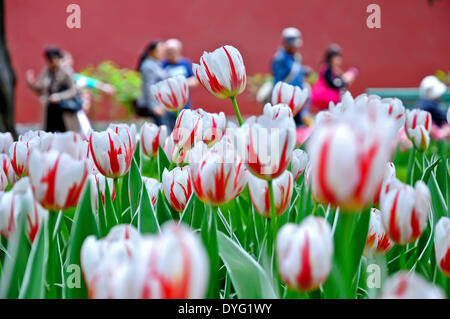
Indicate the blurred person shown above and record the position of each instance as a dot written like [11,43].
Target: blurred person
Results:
[150,67]
[431,90]
[332,80]
[58,93]
[175,64]
[83,82]
[287,63]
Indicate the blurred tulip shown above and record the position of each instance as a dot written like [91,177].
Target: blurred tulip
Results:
[405,212]
[42,139]
[98,181]
[13,202]
[218,175]
[152,186]
[172,93]
[395,110]
[418,127]
[8,168]
[70,143]
[222,72]
[378,241]
[291,95]
[174,153]
[6,140]
[112,151]
[3,181]
[152,136]
[299,161]
[282,193]
[269,141]
[18,153]
[177,188]
[213,126]
[57,179]
[348,156]
[187,129]
[407,285]
[389,180]
[305,253]
[177,266]
[442,244]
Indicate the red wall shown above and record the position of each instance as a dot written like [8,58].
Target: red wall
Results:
[413,40]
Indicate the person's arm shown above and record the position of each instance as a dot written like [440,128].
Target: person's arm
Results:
[36,86]
[191,79]
[334,82]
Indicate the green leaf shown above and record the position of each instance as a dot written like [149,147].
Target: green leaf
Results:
[135,187]
[209,237]
[110,214]
[162,211]
[84,226]
[247,276]
[33,285]
[147,222]
[163,162]
[16,260]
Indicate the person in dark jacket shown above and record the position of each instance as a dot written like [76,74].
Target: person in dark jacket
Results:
[431,90]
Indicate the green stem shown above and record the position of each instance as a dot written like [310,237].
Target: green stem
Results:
[117,200]
[273,215]
[236,110]
[409,173]
[174,162]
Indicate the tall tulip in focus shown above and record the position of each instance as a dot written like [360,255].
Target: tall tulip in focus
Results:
[152,137]
[268,142]
[223,74]
[418,127]
[283,187]
[305,253]
[405,212]
[172,93]
[11,204]
[378,241]
[112,151]
[442,244]
[177,187]
[187,129]
[218,175]
[57,178]
[406,285]
[291,95]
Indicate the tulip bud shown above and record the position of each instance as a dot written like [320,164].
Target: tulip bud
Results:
[213,126]
[172,93]
[418,127]
[6,140]
[13,202]
[152,186]
[283,187]
[217,174]
[442,244]
[222,72]
[69,142]
[377,239]
[177,188]
[293,96]
[406,285]
[3,181]
[395,110]
[269,141]
[187,129]
[152,136]
[299,161]
[305,253]
[98,181]
[57,179]
[18,153]
[177,265]
[125,129]
[112,152]
[174,153]
[405,212]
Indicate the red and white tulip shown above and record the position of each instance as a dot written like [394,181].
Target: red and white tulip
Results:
[152,186]
[112,151]
[187,129]
[291,95]
[213,126]
[13,202]
[299,162]
[98,182]
[283,187]
[152,137]
[442,244]
[6,140]
[8,168]
[408,285]
[218,175]
[172,93]
[418,127]
[174,153]
[222,72]
[378,241]
[404,211]
[57,179]
[305,253]
[177,187]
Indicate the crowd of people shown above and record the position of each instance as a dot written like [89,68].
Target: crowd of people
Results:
[65,93]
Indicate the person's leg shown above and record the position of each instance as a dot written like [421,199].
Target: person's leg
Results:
[71,122]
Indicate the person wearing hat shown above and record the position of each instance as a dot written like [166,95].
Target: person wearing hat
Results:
[431,90]
[332,80]
[58,93]
[287,62]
